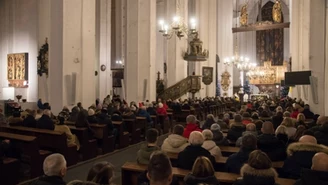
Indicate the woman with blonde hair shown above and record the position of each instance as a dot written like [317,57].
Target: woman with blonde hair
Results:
[300,120]
[258,171]
[202,173]
[289,123]
[282,134]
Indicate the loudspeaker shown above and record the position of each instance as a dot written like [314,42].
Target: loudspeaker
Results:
[74,84]
[68,86]
[314,89]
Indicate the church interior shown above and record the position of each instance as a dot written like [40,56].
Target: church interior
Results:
[96,92]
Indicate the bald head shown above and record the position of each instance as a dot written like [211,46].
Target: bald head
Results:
[319,162]
[267,128]
[251,127]
[308,139]
[322,119]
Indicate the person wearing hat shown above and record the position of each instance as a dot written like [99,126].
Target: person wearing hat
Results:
[92,119]
[218,137]
[61,127]
[258,171]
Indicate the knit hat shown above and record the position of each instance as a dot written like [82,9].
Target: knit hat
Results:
[91,112]
[215,126]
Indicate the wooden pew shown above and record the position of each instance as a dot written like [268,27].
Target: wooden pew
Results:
[142,124]
[101,133]
[9,168]
[228,150]
[220,162]
[133,130]
[88,147]
[45,140]
[123,137]
[131,170]
[31,153]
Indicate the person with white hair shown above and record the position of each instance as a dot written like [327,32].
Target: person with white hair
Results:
[54,168]
[210,145]
[191,126]
[45,122]
[161,110]
[187,157]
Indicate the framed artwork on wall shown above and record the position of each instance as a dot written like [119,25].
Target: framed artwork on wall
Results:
[117,75]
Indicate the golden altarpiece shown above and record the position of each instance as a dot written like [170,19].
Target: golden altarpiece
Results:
[17,69]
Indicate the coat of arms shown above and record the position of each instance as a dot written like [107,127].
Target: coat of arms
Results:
[225,81]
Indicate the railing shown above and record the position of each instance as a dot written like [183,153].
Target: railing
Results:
[190,84]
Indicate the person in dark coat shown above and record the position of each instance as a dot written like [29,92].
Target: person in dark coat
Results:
[45,122]
[320,121]
[236,160]
[236,129]
[74,114]
[187,157]
[104,119]
[143,113]
[30,121]
[322,134]
[268,143]
[258,171]
[202,173]
[92,119]
[277,119]
[128,114]
[307,112]
[300,156]
[218,136]
[82,122]
[209,121]
[54,168]
[318,173]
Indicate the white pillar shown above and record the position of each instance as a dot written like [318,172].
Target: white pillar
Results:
[176,65]
[140,71]
[225,39]
[105,78]
[307,46]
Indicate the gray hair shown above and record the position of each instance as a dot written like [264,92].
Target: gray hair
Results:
[196,138]
[53,164]
[47,112]
[191,119]
[208,134]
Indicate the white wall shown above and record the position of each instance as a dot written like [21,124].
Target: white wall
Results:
[18,34]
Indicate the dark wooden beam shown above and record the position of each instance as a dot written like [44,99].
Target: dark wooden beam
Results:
[261,27]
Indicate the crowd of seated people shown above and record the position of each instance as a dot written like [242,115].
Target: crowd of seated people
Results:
[265,130]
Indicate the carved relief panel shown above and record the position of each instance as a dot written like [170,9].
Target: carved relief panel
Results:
[17,69]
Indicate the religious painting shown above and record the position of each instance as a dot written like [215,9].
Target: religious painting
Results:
[270,43]
[117,75]
[17,69]
[207,75]
[225,81]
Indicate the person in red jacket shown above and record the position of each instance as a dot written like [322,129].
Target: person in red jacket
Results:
[161,110]
[191,126]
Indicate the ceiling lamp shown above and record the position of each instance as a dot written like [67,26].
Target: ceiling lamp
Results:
[177,27]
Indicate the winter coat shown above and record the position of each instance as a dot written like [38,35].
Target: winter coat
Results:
[190,127]
[300,156]
[45,122]
[252,176]
[208,123]
[143,155]
[283,138]
[187,157]
[311,177]
[274,148]
[308,114]
[276,121]
[49,180]
[210,146]
[246,121]
[71,138]
[291,131]
[219,139]
[190,179]
[174,143]
[145,114]
[237,160]
[240,139]
[235,132]
[322,135]
[30,121]
[161,111]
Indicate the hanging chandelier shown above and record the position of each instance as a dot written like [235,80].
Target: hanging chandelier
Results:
[255,74]
[242,63]
[177,26]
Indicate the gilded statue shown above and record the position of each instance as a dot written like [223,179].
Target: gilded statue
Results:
[243,16]
[276,12]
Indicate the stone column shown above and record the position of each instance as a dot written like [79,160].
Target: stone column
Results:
[105,78]
[176,65]
[308,48]
[206,20]
[140,74]
[225,39]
